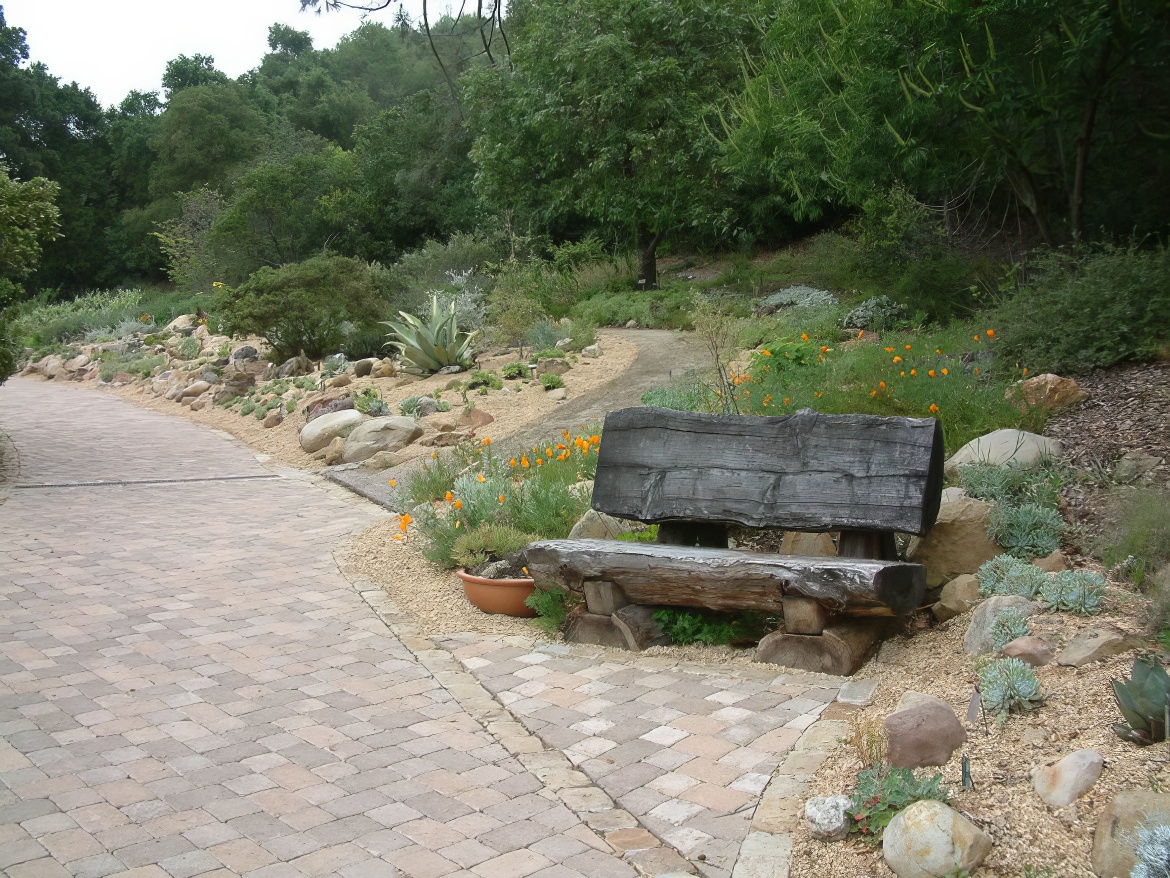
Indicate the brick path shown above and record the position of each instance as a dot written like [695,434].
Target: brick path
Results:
[687,749]
[188,686]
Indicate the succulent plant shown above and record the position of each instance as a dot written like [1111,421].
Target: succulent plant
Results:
[1026,531]
[1144,701]
[1009,685]
[429,346]
[1075,591]
[1008,625]
[1005,574]
[1152,852]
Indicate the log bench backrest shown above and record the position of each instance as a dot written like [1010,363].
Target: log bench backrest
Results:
[805,471]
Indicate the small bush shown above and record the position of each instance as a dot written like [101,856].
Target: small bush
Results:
[544,334]
[551,381]
[798,296]
[188,348]
[1008,625]
[683,626]
[685,394]
[1011,485]
[1026,531]
[1139,529]
[480,378]
[879,313]
[882,792]
[433,480]
[514,371]
[1008,685]
[489,542]
[551,609]
[408,407]
[583,334]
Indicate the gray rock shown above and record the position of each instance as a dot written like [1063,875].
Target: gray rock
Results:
[1132,466]
[596,525]
[827,817]
[1005,446]
[631,324]
[591,351]
[977,640]
[274,418]
[181,323]
[930,840]
[1036,651]
[334,451]
[383,460]
[925,734]
[450,370]
[957,597]
[1095,644]
[380,434]
[910,698]
[1065,781]
[342,380]
[200,402]
[323,429]
[563,344]
[196,388]
[210,377]
[558,393]
[1053,563]
[1118,826]
[958,542]
[551,366]
[427,405]
[363,368]
[247,352]
[76,363]
[295,367]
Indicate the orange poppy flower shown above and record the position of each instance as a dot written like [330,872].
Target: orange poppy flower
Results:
[501,498]
[913,373]
[991,333]
[931,373]
[449,497]
[933,409]
[945,372]
[458,504]
[393,484]
[480,478]
[897,359]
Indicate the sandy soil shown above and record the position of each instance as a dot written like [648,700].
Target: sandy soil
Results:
[512,412]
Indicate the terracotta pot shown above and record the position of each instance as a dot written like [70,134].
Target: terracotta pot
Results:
[505,596]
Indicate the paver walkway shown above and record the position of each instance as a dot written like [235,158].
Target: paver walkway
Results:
[188,686]
[687,749]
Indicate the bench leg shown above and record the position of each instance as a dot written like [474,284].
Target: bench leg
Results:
[804,615]
[841,650]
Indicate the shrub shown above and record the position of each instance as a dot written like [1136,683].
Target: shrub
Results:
[1008,625]
[544,334]
[1139,529]
[303,308]
[683,625]
[433,480]
[514,371]
[1075,591]
[1026,531]
[551,381]
[882,792]
[583,334]
[365,342]
[551,609]
[481,378]
[1008,685]
[878,313]
[685,394]
[798,296]
[188,348]
[1011,485]
[1100,306]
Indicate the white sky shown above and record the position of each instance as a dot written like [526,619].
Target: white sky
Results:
[113,46]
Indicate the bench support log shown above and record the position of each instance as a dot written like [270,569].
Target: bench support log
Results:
[842,649]
[727,579]
[804,615]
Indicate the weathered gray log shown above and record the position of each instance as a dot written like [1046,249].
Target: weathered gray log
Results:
[804,615]
[604,598]
[805,471]
[639,628]
[728,579]
[842,649]
[585,627]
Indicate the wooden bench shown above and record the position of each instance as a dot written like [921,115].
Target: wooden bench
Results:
[694,475]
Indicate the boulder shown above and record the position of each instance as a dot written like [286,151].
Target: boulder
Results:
[246,352]
[926,733]
[381,434]
[1065,781]
[342,380]
[182,323]
[1047,391]
[1053,563]
[322,430]
[930,840]
[326,404]
[1005,446]
[591,351]
[958,542]
[427,405]
[51,367]
[294,367]
[977,640]
[1116,836]
[475,418]
[827,817]
[1132,466]
[564,344]
[594,525]
[910,698]
[197,388]
[201,402]
[558,393]
[957,597]
[1035,651]
[335,452]
[815,545]
[274,418]
[364,368]
[551,366]
[385,369]
[76,364]
[443,440]
[384,460]
[1095,644]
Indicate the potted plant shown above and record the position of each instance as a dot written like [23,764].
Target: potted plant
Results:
[490,569]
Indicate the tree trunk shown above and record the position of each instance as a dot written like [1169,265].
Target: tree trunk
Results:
[647,245]
[1084,142]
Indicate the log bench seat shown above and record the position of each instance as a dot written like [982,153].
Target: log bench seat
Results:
[862,476]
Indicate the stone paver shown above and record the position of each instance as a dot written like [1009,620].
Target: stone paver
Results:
[687,749]
[188,686]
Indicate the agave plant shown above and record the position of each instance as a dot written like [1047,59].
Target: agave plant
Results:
[430,346]
[1144,701]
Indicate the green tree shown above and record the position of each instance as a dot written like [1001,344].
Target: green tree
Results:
[602,116]
[188,72]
